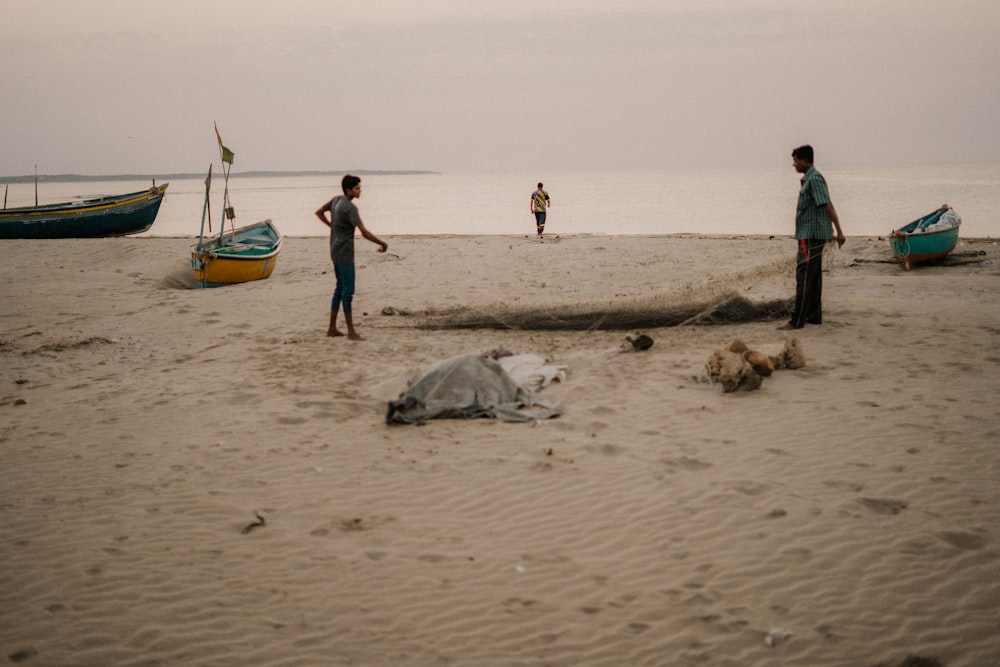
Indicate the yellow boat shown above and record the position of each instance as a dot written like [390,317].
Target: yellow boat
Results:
[241,255]
[237,256]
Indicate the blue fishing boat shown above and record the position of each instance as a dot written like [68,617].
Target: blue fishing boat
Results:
[926,239]
[88,217]
[239,255]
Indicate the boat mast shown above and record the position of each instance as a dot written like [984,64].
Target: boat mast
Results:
[228,212]
[205,210]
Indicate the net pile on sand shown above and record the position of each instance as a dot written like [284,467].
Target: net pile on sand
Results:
[648,313]
[716,299]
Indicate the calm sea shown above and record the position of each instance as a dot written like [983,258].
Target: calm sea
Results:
[870,201]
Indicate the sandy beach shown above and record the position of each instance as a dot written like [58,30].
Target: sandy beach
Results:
[202,477]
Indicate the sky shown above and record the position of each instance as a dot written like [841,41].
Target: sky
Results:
[101,87]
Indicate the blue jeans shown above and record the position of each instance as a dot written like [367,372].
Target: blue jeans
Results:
[344,292]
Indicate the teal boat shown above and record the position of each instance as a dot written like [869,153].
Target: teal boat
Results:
[926,239]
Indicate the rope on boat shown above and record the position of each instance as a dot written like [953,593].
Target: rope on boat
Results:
[905,246]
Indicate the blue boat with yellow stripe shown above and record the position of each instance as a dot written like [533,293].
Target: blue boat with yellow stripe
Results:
[91,217]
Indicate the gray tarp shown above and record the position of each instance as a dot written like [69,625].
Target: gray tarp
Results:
[466,387]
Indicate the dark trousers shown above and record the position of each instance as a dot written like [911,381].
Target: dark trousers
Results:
[344,292]
[808,283]
[540,221]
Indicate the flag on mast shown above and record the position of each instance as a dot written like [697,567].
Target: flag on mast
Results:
[227,155]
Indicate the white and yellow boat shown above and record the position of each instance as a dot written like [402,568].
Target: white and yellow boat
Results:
[237,256]
[240,255]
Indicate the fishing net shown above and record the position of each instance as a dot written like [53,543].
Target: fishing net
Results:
[638,314]
[718,299]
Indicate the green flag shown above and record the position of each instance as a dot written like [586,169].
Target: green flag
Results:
[227,155]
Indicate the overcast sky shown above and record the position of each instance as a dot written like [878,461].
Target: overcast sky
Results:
[133,86]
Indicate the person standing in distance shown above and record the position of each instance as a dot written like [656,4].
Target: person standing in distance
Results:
[815,219]
[343,220]
[540,203]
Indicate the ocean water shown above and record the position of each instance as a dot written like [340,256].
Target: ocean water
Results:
[870,201]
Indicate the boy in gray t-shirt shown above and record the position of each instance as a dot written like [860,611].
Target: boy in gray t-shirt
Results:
[343,220]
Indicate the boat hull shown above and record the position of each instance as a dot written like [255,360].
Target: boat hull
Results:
[241,256]
[910,249]
[118,215]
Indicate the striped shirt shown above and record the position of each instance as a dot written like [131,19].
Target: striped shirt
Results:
[811,218]
[539,201]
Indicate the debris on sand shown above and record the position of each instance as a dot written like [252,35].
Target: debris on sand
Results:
[637,342]
[738,368]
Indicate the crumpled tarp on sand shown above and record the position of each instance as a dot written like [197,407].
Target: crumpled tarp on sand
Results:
[531,371]
[466,387]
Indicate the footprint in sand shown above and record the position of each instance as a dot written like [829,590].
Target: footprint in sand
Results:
[966,541]
[884,505]
[750,488]
[605,449]
[688,463]
[844,486]
[432,558]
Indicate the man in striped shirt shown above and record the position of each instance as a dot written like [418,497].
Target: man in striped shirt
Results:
[815,220]
[540,202]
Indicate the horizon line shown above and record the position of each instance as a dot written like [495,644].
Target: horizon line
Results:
[69,178]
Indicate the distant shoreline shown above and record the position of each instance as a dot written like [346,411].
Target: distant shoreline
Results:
[74,178]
